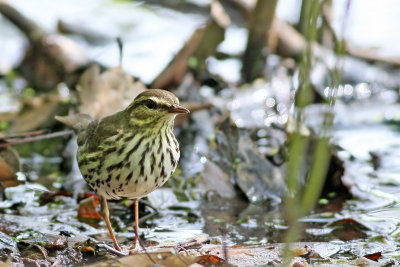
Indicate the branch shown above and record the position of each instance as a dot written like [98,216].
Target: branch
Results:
[31,30]
[16,141]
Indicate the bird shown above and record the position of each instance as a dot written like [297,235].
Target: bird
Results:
[130,153]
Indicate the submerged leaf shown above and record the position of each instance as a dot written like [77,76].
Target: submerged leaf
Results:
[348,229]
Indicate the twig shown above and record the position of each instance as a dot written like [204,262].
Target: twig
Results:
[145,250]
[120,44]
[33,133]
[42,250]
[29,139]
[144,218]
[194,243]
[224,233]
[31,30]
[180,258]
[147,203]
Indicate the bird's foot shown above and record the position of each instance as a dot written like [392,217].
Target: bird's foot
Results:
[134,247]
[133,251]
[123,250]
[120,252]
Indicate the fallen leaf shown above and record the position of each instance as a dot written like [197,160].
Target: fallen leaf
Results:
[102,94]
[347,221]
[36,113]
[301,251]
[168,259]
[374,256]
[9,165]
[211,260]
[88,208]
[348,229]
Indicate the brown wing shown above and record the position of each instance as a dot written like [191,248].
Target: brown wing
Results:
[99,130]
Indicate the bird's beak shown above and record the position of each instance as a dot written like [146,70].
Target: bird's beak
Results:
[178,109]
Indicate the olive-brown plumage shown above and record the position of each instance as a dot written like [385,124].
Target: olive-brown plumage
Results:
[130,153]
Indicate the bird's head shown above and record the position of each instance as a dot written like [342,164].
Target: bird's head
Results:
[154,106]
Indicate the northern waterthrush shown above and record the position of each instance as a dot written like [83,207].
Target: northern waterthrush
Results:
[130,153]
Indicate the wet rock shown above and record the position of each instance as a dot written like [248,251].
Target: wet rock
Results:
[55,253]
[7,246]
[68,257]
[215,179]
[239,157]
[256,176]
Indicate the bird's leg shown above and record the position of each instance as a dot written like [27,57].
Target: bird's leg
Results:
[136,204]
[106,215]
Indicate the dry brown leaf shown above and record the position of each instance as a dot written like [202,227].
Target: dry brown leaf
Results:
[88,208]
[301,251]
[167,259]
[35,113]
[6,171]
[374,256]
[211,260]
[9,165]
[164,259]
[102,94]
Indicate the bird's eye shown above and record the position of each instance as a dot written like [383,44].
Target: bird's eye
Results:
[150,104]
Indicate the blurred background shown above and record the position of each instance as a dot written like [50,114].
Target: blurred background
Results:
[290,152]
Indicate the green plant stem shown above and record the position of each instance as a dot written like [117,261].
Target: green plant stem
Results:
[319,168]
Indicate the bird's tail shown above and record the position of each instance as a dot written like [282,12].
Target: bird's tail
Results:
[77,122]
